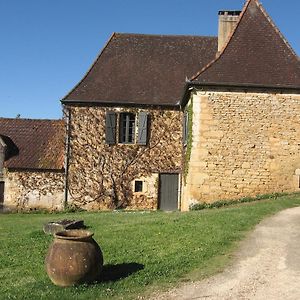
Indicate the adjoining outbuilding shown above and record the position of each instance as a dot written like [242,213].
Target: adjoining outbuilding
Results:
[31,164]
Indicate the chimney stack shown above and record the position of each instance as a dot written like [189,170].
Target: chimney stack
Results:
[227,22]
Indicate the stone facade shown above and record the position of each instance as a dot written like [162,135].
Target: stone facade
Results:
[27,190]
[243,144]
[102,176]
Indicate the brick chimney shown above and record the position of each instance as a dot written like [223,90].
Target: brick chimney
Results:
[227,22]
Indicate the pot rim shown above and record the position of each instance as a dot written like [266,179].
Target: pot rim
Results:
[73,234]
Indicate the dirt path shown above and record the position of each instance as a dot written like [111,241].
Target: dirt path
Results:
[267,265]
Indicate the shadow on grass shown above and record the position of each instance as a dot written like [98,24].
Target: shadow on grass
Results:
[119,271]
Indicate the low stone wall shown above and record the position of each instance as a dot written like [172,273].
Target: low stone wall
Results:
[243,144]
[101,176]
[25,190]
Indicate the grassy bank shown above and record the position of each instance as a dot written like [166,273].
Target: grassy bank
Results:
[142,251]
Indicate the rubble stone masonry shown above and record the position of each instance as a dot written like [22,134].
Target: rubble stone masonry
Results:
[102,176]
[243,144]
[25,190]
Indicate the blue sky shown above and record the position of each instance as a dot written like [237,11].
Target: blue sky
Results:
[48,45]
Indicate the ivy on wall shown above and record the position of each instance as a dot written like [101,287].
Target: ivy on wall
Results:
[101,175]
[188,147]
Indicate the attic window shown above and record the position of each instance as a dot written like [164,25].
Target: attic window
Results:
[138,186]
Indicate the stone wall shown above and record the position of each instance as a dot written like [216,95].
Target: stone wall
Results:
[243,144]
[25,190]
[101,176]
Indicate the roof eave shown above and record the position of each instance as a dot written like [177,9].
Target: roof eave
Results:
[245,86]
[24,169]
[117,103]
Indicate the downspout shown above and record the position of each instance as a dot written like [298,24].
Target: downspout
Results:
[67,154]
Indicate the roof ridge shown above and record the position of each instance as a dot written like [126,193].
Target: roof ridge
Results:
[218,55]
[29,119]
[162,35]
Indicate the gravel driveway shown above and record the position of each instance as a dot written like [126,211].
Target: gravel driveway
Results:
[267,265]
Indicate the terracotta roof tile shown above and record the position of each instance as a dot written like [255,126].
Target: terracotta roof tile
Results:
[256,54]
[144,69]
[39,143]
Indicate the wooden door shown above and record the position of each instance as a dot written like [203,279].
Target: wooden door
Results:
[168,192]
[1,194]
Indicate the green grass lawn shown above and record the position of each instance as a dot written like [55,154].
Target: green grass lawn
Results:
[142,251]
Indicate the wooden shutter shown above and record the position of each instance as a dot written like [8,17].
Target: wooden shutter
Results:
[110,128]
[185,128]
[143,128]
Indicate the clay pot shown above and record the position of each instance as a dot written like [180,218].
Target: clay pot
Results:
[73,258]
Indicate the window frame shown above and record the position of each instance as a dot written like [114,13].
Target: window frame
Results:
[139,184]
[127,128]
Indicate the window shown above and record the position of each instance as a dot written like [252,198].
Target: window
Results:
[125,124]
[138,186]
[127,128]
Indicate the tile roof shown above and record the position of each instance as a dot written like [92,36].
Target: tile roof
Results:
[255,54]
[144,69]
[33,144]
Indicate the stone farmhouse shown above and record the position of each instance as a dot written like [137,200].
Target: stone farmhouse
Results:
[163,122]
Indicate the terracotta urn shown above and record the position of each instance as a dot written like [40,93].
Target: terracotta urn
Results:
[73,258]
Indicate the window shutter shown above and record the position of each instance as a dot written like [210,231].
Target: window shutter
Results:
[185,128]
[110,128]
[143,128]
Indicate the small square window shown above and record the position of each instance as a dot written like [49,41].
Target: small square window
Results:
[138,186]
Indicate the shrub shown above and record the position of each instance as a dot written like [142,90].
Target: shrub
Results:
[222,203]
